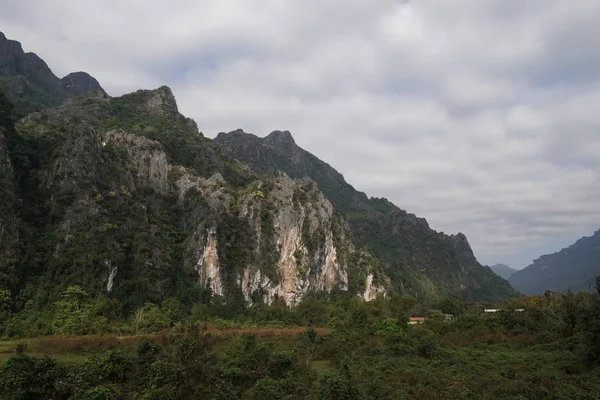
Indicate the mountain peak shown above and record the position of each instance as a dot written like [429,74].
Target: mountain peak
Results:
[503,270]
[163,100]
[31,84]
[281,139]
[80,82]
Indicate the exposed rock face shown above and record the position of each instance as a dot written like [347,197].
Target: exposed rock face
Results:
[112,273]
[148,157]
[419,260]
[163,101]
[281,139]
[372,290]
[81,162]
[208,265]
[300,267]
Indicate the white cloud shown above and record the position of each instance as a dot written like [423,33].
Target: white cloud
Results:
[482,116]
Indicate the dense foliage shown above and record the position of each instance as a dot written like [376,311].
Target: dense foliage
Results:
[368,351]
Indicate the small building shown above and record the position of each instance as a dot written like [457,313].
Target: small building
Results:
[491,310]
[416,320]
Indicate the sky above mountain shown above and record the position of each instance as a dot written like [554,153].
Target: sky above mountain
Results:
[481,115]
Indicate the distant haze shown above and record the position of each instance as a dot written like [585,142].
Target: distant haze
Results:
[502,270]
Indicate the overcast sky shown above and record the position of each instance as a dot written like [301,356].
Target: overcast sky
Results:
[481,116]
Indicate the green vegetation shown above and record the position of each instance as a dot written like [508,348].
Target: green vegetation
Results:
[177,134]
[367,351]
[99,275]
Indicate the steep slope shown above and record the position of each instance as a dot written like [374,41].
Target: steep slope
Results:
[31,85]
[502,270]
[574,267]
[124,196]
[419,260]
[9,249]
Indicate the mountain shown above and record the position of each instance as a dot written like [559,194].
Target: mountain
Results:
[418,260]
[502,270]
[574,267]
[31,85]
[126,197]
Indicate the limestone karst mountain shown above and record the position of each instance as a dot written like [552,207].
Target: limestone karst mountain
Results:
[418,260]
[127,198]
[30,83]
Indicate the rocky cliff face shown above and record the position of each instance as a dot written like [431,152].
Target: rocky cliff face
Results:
[118,184]
[299,232]
[419,261]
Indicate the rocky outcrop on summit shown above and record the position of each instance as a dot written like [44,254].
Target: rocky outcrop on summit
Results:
[77,83]
[419,261]
[162,101]
[32,85]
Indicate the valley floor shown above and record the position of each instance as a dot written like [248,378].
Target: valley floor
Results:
[417,365]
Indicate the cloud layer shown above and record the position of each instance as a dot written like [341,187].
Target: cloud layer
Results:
[481,115]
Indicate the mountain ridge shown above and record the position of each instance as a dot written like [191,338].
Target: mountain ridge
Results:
[377,224]
[573,267]
[503,270]
[30,83]
[127,198]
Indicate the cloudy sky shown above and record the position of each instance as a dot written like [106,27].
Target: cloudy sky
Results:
[482,116]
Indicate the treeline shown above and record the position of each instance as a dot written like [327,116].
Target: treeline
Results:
[549,350]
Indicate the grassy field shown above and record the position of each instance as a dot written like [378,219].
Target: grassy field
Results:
[78,348]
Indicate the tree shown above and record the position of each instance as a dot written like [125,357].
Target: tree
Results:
[452,305]
[72,313]
[435,315]
[590,327]
[305,347]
